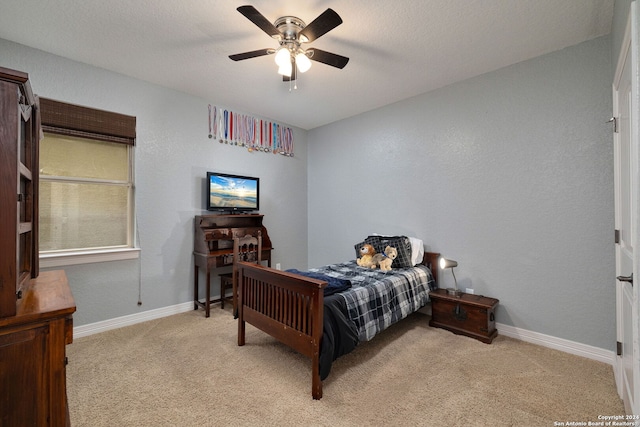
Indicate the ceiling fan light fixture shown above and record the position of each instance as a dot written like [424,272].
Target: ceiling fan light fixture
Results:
[291,32]
[302,61]
[283,57]
[285,69]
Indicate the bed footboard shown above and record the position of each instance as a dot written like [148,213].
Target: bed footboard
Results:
[286,306]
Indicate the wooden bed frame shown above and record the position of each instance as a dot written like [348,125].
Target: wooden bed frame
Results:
[290,308]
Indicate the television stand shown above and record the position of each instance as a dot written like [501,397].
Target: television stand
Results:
[213,247]
[237,213]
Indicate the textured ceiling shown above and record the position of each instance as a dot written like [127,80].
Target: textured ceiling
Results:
[397,49]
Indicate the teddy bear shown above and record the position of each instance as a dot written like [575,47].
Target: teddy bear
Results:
[385,259]
[367,252]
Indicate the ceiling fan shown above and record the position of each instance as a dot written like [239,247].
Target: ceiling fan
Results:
[291,32]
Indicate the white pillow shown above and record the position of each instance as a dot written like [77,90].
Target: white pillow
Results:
[417,250]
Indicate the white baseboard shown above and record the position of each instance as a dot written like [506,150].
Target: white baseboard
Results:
[571,347]
[131,319]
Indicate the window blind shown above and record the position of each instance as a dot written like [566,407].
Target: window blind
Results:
[75,120]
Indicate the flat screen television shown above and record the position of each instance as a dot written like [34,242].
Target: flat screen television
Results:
[232,193]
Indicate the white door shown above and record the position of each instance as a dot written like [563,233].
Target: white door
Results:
[625,123]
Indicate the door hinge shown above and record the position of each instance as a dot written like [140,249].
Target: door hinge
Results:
[614,120]
[618,348]
[617,236]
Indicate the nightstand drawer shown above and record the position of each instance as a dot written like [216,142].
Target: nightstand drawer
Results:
[467,314]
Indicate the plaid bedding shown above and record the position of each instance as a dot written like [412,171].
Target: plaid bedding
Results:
[379,299]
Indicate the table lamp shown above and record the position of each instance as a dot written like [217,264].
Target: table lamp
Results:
[449,263]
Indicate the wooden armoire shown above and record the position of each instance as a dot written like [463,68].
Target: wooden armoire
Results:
[35,308]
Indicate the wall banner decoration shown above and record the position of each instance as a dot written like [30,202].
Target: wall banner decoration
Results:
[256,135]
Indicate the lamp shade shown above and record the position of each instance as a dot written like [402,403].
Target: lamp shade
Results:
[285,69]
[302,61]
[283,56]
[447,263]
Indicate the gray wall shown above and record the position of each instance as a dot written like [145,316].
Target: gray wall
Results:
[618,25]
[509,173]
[172,155]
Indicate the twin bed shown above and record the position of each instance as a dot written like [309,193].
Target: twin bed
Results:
[325,312]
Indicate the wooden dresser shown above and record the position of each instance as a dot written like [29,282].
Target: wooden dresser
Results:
[35,309]
[33,362]
[213,246]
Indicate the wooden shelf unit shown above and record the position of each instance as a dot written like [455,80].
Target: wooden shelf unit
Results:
[35,309]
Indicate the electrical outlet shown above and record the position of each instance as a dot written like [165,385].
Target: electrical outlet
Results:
[469,290]
[278,267]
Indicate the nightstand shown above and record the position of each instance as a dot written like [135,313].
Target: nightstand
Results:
[466,314]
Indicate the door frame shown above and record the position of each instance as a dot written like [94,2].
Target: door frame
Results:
[629,47]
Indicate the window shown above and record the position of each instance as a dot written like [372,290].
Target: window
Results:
[86,199]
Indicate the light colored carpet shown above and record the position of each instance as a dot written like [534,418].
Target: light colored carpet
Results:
[187,370]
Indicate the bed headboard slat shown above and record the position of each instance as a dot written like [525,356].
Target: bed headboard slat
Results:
[430,259]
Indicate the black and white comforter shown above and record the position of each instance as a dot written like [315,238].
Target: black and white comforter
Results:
[378,299]
[374,301]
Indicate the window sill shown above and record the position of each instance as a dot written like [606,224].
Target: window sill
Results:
[75,258]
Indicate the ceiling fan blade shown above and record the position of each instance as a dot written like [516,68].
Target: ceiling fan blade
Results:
[328,58]
[252,14]
[324,23]
[252,54]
